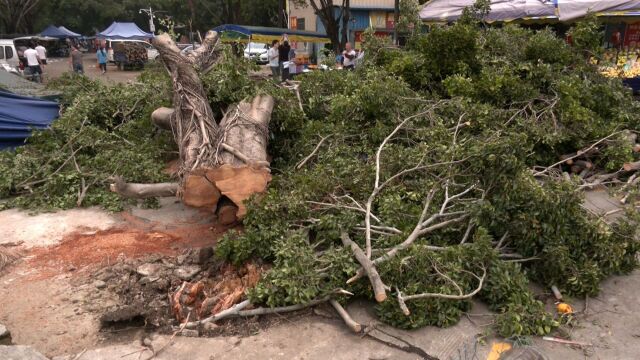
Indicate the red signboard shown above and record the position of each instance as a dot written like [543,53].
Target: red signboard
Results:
[632,35]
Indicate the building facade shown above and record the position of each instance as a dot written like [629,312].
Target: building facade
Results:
[364,14]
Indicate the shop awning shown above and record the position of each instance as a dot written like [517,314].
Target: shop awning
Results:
[268,34]
[501,10]
[124,30]
[442,11]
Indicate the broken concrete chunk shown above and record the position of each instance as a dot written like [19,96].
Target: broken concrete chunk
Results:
[150,270]
[99,284]
[20,352]
[187,272]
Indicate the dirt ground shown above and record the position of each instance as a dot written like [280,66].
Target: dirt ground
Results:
[58,66]
[75,262]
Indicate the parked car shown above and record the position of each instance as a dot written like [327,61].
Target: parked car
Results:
[152,52]
[8,53]
[257,52]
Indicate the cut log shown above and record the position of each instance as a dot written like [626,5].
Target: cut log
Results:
[142,191]
[239,183]
[198,191]
[633,166]
[636,148]
[246,131]
[162,118]
[227,159]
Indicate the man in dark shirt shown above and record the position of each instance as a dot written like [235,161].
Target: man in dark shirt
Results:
[283,56]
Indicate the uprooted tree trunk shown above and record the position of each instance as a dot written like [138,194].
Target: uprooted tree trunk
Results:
[224,159]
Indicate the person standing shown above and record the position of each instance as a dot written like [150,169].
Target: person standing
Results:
[42,54]
[102,59]
[33,62]
[76,60]
[274,57]
[349,57]
[283,57]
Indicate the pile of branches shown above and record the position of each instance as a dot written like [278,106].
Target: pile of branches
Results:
[448,171]
[103,131]
[438,174]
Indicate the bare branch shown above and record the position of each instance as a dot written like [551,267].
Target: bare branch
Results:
[451,297]
[304,161]
[578,154]
[352,324]
[369,268]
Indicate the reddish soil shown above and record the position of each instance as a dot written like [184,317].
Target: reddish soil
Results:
[136,238]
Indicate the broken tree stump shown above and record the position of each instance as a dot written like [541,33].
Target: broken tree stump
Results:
[224,159]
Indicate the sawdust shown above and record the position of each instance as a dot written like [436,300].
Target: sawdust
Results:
[78,251]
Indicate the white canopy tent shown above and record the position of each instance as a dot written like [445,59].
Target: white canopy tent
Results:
[509,10]
[501,10]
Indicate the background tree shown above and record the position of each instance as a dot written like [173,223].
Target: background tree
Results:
[332,13]
[16,15]
[89,16]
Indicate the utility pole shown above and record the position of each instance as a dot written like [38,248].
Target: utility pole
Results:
[149,12]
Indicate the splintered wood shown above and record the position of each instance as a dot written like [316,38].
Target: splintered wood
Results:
[214,295]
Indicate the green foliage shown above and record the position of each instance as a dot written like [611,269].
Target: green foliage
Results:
[587,35]
[480,107]
[103,131]
[507,293]
[524,98]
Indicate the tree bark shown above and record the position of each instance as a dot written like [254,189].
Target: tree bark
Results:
[227,158]
[142,191]
[196,130]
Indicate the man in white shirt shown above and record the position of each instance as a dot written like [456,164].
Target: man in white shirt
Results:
[33,62]
[42,54]
[349,56]
[274,62]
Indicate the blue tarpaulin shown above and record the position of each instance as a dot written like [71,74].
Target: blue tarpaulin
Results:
[121,31]
[54,32]
[20,114]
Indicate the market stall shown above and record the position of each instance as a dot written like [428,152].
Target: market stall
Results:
[259,34]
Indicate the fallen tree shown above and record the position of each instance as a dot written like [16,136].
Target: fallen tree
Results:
[444,172]
[217,158]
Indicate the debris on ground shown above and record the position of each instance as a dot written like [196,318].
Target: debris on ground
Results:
[197,285]
[20,352]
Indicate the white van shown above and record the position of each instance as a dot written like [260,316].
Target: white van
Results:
[152,52]
[8,53]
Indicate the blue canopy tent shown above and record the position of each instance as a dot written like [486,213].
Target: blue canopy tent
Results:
[20,114]
[69,33]
[124,31]
[53,32]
